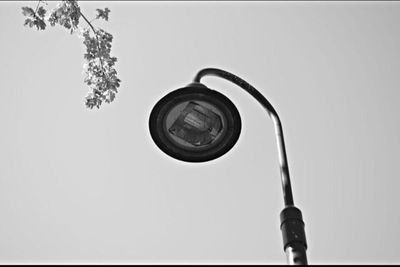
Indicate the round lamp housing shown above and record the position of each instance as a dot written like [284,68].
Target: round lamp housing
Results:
[195,124]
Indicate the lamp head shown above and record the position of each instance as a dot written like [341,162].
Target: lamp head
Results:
[195,124]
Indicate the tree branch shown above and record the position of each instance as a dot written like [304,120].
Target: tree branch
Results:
[37,6]
[97,38]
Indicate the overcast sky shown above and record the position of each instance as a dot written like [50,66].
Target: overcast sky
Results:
[79,185]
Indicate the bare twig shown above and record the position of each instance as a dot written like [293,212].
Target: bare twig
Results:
[37,6]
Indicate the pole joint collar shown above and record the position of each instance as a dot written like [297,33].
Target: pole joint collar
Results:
[292,227]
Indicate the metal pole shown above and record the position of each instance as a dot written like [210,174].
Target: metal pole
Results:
[292,225]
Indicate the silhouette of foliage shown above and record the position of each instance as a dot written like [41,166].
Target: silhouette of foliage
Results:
[101,76]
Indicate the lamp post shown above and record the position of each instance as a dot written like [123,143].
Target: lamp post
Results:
[197,124]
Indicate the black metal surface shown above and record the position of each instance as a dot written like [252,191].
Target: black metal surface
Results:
[292,227]
[195,92]
[296,254]
[292,224]
[286,186]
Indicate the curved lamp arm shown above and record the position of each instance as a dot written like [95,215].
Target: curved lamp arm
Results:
[286,186]
[292,224]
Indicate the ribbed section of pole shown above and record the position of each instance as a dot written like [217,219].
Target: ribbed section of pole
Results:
[294,236]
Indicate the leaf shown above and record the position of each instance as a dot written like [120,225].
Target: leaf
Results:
[41,12]
[28,22]
[103,14]
[40,24]
[27,11]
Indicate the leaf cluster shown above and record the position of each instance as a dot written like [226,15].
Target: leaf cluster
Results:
[101,76]
[102,14]
[67,14]
[34,18]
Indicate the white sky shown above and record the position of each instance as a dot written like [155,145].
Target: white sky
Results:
[80,185]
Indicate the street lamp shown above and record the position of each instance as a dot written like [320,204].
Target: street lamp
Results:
[197,124]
